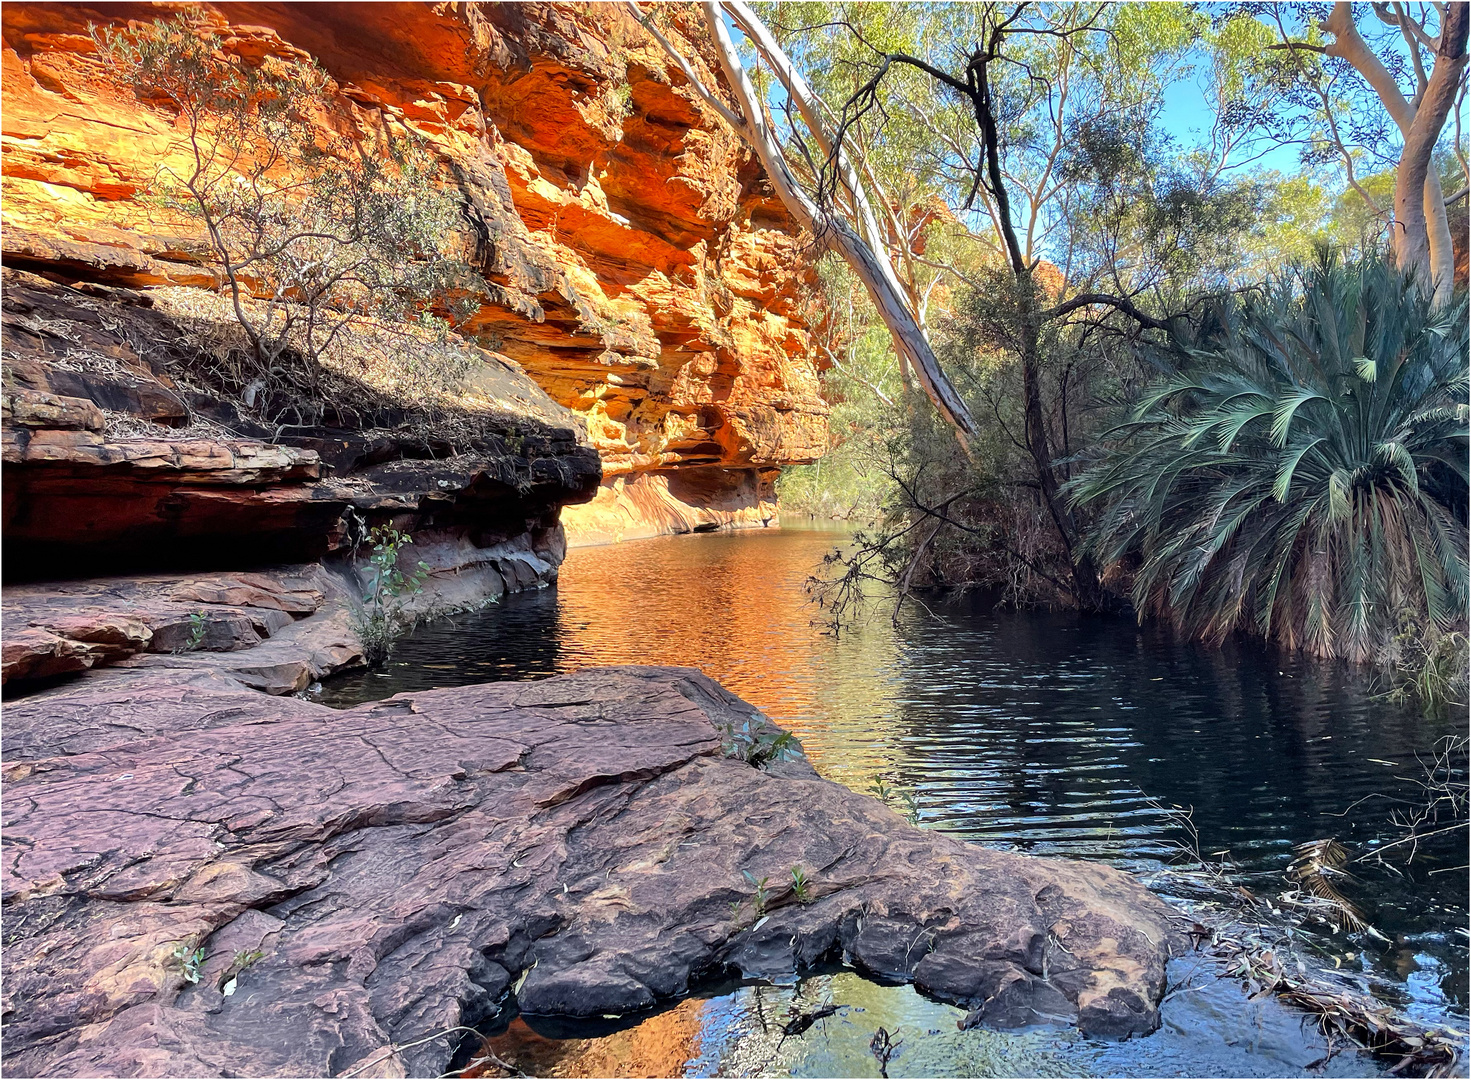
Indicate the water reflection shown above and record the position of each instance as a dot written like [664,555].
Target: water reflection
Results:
[738,1032]
[1047,733]
[658,1047]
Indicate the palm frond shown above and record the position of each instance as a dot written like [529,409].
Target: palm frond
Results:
[1340,514]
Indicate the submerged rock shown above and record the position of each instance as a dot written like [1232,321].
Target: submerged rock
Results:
[202,880]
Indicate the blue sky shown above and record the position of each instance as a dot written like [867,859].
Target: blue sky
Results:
[1188,115]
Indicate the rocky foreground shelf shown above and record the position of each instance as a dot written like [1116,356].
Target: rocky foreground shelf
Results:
[250,885]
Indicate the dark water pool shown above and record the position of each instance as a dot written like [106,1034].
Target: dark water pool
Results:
[1052,734]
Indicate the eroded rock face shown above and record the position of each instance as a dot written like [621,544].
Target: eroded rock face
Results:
[99,477]
[644,273]
[686,500]
[400,866]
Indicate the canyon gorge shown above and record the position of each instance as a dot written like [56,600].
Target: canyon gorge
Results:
[209,874]
[643,282]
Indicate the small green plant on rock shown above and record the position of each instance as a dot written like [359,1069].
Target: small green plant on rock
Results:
[755,747]
[759,892]
[243,959]
[383,620]
[801,885]
[885,794]
[911,805]
[620,101]
[190,959]
[198,628]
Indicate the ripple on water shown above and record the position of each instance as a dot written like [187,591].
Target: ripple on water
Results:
[1052,734]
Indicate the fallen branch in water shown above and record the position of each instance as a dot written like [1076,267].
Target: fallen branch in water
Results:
[884,1048]
[389,1051]
[1345,1017]
[485,1057]
[1416,1050]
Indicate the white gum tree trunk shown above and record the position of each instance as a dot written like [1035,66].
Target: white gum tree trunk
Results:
[859,242]
[1422,235]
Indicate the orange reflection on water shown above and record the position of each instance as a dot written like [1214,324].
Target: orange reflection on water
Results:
[734,606]
[658,1047]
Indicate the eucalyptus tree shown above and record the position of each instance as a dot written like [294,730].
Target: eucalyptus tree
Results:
[1372,87]
[876,121]
[1004,91]
[841,216]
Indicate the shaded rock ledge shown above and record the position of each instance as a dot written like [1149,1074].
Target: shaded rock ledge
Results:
[276,630]
[112,465]
[402,865]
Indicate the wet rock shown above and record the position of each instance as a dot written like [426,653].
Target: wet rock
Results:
[402,865]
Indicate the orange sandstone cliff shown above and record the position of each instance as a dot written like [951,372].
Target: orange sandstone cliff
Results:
[643,272]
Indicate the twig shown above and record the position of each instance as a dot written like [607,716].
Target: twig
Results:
[395,1048]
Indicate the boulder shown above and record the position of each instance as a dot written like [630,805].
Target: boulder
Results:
[203,881]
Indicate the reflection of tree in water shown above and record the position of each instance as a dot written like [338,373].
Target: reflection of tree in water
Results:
[733,605]
[1059,734]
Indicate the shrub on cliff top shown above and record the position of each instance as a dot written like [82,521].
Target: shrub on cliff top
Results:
[314,227]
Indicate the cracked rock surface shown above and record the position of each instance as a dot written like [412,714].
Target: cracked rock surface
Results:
[357,880]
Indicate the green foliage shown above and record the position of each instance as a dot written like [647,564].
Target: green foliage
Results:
[315,230]
[759,892]
[230,977]
[198,628]
[801,885]
[620,101]
[383,621]
[862,388]
[1095,186]
[755,743]
[1304,475]
[245,958]
[190,960]
[886,794]
[1429,668]
[911,805]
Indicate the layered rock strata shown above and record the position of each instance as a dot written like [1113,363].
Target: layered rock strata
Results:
[640,268]
[111,462]
[264,886]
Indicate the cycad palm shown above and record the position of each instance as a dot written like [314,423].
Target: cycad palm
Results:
[1305,477]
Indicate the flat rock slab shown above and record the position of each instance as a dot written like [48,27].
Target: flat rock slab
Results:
[356,881]
[56,628]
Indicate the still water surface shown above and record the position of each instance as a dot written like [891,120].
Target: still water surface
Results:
[1051,734]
